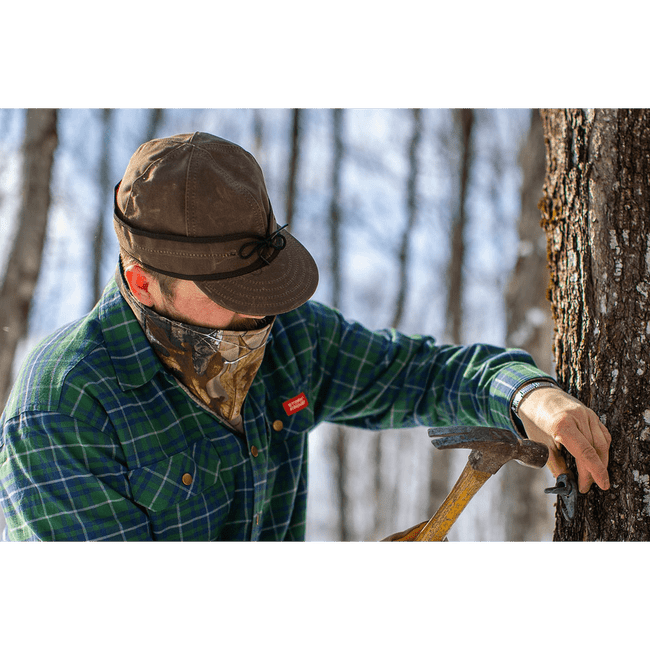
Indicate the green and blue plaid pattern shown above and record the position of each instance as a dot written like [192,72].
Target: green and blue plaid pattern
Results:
[99,442]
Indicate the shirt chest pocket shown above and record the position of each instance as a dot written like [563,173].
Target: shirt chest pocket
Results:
[176,478]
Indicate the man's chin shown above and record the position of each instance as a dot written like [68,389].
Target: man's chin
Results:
[241,324]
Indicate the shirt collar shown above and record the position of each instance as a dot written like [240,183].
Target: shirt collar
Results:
[134,362]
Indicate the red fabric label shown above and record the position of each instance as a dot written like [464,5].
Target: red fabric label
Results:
[295,404]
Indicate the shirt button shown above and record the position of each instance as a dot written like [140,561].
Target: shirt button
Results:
[187,479]
[254,451]
[277,425]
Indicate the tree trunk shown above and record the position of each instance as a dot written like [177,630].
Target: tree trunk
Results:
[155,120]
[528,511]
[465,118]
[386,491]
[25,259]
[596,209]
[442,462]
[411,210]
[296,136]
[106,194]
[340,435]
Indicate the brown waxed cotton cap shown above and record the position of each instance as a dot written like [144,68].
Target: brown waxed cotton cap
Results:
[195,207]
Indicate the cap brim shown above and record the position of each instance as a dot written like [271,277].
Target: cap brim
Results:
[285,284]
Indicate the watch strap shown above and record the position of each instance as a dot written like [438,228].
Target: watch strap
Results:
[528,388]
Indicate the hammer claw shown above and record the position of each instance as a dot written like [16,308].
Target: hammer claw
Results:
[470,437]
[491,447]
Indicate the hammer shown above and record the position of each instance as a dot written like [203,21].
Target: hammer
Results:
[491,450]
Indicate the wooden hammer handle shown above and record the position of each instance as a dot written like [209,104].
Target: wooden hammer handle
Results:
[467,485]
[436,529]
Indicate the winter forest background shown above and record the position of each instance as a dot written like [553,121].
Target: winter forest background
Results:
[424,220]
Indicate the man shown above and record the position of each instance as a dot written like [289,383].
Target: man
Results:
[179,408]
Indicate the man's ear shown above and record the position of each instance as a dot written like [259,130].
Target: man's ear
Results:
[139,283]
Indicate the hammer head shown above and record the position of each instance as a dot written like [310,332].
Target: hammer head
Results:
[491,448]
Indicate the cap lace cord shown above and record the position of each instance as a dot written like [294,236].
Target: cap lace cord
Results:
[275,240]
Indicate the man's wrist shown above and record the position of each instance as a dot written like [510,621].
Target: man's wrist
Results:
[528,388]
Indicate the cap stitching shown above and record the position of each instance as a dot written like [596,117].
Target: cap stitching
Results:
[157,161]
[243,191]
[252,201]
[189,194]
[182,254]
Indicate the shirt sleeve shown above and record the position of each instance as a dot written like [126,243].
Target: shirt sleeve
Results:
[386,379]
[63,480]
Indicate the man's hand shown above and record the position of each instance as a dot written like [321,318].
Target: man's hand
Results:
[558,420]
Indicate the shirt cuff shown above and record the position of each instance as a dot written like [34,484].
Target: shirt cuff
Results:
[505,386]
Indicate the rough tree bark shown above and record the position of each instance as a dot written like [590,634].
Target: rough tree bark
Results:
[596,207]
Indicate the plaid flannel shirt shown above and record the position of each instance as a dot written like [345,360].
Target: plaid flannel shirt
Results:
[100,442]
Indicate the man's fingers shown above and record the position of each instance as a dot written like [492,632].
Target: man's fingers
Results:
[559,420]
[591,451]
[556,462]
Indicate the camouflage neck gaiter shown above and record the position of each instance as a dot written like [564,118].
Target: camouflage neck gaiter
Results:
[217,366]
